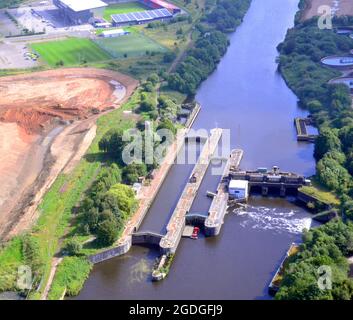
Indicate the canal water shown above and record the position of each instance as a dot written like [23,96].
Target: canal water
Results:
[247,95]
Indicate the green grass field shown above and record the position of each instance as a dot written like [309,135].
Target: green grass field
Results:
[133,45]
[123,8]
[72,51]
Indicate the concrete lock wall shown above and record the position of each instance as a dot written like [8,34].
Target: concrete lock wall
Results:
[306,198]
[111,253]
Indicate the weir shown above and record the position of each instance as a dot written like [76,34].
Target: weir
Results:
[282,182]
[170,241]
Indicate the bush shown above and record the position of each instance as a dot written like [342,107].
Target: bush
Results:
[132,172]
[107,232]
[70,275]
[73,247]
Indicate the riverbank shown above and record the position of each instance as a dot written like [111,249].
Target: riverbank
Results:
[331,109]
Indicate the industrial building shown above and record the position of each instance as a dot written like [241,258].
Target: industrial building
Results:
[159,4]
[114,33]
[78,11]
[142,17]
[238,189]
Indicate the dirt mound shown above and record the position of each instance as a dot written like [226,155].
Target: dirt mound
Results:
[34,100]
[31,157]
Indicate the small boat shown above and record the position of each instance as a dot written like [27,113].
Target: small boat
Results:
[195,233]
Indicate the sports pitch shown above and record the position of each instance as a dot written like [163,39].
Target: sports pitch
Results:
[72,51]
[123,8]
[132,45]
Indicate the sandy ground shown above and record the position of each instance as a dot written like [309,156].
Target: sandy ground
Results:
[345,7]
[35,145]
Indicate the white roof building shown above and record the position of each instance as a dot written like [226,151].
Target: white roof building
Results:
[113,33]
[82,5]
[238,189]
[238,184]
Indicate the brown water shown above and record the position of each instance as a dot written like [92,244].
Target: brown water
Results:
[248,96]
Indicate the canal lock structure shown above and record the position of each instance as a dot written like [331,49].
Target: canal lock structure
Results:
[247,95]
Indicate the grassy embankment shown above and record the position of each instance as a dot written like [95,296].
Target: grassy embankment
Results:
[57,205]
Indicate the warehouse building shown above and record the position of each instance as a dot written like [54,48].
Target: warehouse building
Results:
[159,4]
[114,33]
[78,11]
[142,17]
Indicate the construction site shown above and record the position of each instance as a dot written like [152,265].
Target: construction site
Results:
[45,134]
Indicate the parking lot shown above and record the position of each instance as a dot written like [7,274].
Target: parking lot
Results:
[14,51]
[16,55]
[7,27]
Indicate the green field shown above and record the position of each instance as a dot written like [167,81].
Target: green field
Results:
[72,51]
[132,45]
[123,8]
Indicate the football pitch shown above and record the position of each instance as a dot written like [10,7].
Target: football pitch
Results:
[72,51]
[131,46]
[123,8]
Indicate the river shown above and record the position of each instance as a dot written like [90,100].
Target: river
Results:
[247,95]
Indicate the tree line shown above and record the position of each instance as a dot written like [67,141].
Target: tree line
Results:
[210,46]
[331,108]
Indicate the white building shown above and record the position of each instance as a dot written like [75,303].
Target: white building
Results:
[114,33]
[238,189]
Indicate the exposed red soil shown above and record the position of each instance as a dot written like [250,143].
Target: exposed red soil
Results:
[31,103]
[33,100]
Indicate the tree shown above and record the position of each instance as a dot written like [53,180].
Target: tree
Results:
[325,142]
[153,78]
[125,198]
[73,247]
[133,171]
[107,232]
[169,57]
[113,144]
[333,175]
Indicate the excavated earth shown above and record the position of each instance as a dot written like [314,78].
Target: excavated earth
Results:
[47,122]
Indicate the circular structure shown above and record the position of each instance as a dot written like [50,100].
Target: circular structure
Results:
[344,31]
[338,61]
